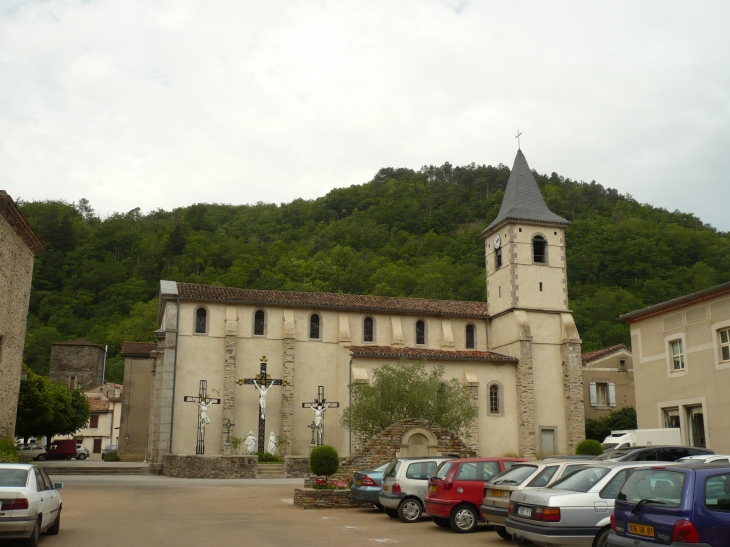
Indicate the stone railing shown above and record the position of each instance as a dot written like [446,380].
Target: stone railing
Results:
[209,467]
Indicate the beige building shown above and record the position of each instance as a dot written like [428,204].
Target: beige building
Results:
[682,373]
[103,427]
[608,376]
[518,356]
[134,425]
[18,246]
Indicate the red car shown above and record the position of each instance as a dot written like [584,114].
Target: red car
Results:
[456,491]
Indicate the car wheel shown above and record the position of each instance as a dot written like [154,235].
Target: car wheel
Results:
[69,456]
[32,541]
[392,513]
[81,456]
[410,510]
[602,538]
[379,507]
[41,457]
[53,530]
[464,519]
[503,533]
[443,523]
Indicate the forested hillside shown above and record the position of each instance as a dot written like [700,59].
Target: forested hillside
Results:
[405,233]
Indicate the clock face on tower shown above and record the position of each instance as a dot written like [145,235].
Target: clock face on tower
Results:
[497,241]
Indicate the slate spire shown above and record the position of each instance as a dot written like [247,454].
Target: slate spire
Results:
[522,198]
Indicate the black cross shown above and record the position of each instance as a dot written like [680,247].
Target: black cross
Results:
[264,380]
[202,398]
[319,402]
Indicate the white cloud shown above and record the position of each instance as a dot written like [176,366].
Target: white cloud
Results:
[163,104]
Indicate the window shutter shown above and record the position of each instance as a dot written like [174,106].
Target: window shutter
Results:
[592,393]
[612,394]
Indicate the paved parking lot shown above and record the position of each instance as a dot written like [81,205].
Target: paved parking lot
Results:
[158,511]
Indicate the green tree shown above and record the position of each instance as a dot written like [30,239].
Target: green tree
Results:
[601,427]
[408,390]
[324,460]
[589,447]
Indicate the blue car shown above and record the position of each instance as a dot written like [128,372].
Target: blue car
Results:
[674,505]
[366,485]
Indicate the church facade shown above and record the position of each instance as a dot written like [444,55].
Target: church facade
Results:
[518,355]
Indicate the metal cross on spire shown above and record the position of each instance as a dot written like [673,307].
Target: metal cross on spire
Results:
[518,139]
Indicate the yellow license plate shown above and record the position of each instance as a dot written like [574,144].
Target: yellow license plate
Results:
[641,530]
[385,488]
[358,482]
[432,488]
[496,493]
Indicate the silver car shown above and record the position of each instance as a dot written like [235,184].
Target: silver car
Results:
[537,474]
[29,503]
[404,487]
[33,451]
[575,510]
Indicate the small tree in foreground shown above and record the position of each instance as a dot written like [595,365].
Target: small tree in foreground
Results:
[324,460]
[408,390]
[589,447]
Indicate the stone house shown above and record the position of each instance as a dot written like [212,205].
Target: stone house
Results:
[78,363]
[18,246]
[608,376]
[682,373]
[103,427]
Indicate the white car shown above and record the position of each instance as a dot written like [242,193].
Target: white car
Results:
[30,503]
[705,458]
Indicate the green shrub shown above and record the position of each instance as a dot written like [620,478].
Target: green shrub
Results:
[324,460]
[589,447]
[112,456]
[8,451]
[265,457]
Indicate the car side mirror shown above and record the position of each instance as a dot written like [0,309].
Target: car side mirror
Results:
[58,486]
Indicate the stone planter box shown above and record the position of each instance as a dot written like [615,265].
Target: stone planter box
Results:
[309,498]
[296,467]
[209,467]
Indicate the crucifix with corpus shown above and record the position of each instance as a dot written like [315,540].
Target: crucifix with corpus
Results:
[203,402]
[319,406]
[263,383]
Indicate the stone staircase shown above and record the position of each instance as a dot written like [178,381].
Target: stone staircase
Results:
[270,471]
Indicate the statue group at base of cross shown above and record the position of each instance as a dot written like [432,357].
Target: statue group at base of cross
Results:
[250,444]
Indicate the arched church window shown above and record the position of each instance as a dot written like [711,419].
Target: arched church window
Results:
[539,246]
[420,332]
[314,326]
[201,321]
[258,323]
[470,337]
[367,329]
[498,259]
[494,402]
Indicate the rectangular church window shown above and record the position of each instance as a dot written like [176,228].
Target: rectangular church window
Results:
[420,332]
[470,337]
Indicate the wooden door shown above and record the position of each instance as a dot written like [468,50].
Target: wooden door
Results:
[97,446]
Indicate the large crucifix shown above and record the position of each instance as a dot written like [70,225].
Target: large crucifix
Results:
[319,405]
[263,383]
[203,402]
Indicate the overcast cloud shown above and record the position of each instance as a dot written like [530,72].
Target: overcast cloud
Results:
[164,104]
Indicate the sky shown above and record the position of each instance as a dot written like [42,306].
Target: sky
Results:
[162,104]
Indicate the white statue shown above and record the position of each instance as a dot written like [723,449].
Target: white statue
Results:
[272,444]
[319,418]
[250,443]
[204,418]
[262,397]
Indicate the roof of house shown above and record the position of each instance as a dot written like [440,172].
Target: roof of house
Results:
[137,349]
[336,301]
[77,342]
[10,211]
[522,198]
[676,303]
[392,352]
[99,404]
[591,356]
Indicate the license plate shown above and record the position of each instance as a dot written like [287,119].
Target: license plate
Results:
[385,488]
[496,493]
[432,488]
[641,530]
[524,511]
[358,482]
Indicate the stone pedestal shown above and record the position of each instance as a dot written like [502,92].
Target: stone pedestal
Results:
[209,467]
[227,449]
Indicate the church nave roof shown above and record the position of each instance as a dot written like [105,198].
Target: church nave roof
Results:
[397,352]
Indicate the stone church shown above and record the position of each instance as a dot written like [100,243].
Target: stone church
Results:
[518,355]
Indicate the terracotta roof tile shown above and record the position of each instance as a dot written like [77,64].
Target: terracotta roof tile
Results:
[77,342]
[600,353]
[350,302]
[677,303]
[133,349]
[99,405]
[391,352]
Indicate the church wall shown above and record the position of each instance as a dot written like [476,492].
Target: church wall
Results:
[549,399]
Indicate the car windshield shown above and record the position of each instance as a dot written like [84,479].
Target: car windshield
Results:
[653,487]
[392,468]
[477,471]
[717,493]
[516,475]
[443,470]
[613,454]
[383,467]
[609,446]
[13,478]
[581,480]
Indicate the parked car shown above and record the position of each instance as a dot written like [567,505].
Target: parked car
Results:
[538,474]
[31,503]
[404,485]
[61,450]
[673,505]
[34,451]
[456,490]
[575,510]
[81,451]
[366,485]
[652,453]
[706,458]
[109,448]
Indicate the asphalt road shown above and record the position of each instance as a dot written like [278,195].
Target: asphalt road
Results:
[157,511]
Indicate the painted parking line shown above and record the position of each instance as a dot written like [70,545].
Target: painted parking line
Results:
[290,501]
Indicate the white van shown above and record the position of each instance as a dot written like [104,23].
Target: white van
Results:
[626,438]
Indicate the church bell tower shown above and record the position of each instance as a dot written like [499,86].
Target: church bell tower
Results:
[527,299]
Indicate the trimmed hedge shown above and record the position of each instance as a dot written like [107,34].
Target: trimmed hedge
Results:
[589,447]
[324,460]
